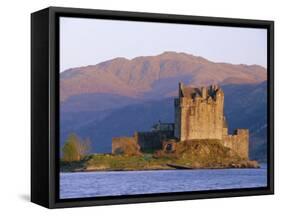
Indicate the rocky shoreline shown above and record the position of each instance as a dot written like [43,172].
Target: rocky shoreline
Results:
[83,167]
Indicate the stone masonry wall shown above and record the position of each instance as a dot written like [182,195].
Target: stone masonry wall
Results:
[151,141]
[177,118]
[125,146]
[199,118]
[239,142]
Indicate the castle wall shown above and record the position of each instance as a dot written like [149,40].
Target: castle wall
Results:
[177,118]
[200,118]
[151,141]
[169,145]
[239,142]
[125,146]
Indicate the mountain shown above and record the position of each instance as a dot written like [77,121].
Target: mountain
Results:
[142,75]
[120,96]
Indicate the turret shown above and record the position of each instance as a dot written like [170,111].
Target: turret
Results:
[204,92]
[181,86]
[219,94]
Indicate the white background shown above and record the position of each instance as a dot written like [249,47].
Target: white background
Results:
[15,107]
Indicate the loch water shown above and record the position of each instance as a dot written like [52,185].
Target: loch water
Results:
[114,183]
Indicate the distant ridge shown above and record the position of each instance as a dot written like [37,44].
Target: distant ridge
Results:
[138,76]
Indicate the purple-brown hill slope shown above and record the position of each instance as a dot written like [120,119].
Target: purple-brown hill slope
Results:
[138,76]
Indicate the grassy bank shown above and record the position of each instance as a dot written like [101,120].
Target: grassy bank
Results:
[99,162]
[194,155]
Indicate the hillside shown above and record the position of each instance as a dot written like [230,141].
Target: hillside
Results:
[147,74]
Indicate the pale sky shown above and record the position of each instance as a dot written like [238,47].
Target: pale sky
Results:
[86,41]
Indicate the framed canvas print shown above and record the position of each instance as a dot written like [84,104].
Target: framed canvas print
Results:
[138,107]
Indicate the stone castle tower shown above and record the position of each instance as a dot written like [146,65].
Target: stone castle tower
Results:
[199,114]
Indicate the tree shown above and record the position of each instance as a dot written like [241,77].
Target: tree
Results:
[84,147]
[75,148]
[70,149]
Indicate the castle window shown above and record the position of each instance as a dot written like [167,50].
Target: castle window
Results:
[169,147]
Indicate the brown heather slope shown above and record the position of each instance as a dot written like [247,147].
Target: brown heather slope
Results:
[137,76]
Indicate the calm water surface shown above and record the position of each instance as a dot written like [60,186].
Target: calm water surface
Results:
[92,184]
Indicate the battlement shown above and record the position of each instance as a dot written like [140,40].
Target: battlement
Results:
[238,141]
[211,93]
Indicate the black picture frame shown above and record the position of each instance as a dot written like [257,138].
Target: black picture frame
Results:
[45,106]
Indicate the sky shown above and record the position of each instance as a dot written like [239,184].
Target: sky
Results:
[85,41]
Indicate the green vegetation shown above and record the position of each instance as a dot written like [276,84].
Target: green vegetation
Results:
[120,162]
[75,149]
[192,154]
[99,162]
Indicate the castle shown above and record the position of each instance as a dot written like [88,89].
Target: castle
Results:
[199,115]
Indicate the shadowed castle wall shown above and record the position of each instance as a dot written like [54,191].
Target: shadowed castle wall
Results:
[151,141]
[140,142]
